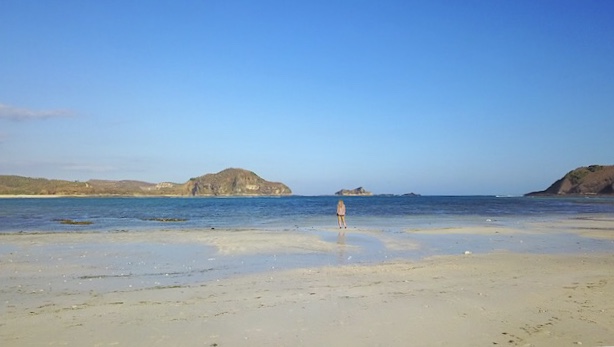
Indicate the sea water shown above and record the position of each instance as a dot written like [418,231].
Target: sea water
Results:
[111,266]
[109,214]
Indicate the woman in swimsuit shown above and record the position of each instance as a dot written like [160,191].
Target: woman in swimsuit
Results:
[341,214]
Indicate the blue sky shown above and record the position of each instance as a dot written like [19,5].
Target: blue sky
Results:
[432,97]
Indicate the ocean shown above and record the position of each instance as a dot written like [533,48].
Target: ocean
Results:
[391,213]
[130,243]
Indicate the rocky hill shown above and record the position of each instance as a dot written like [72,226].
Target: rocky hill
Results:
[591,180]
[235,182]
[351,192]
[228,182]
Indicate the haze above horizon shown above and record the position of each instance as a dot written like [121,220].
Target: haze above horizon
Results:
[431,97]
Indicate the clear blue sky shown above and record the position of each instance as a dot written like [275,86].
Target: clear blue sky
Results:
[432,97]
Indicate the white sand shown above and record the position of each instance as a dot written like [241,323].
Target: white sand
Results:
[498,299]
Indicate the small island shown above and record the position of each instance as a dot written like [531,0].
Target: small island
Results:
[360,191]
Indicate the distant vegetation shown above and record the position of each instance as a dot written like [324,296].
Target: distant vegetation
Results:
[229,182]
[18,185]
[578,174]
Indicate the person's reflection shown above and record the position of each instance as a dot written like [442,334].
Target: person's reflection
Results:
[341,247]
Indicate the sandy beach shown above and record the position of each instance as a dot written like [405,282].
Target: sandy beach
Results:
[296,288]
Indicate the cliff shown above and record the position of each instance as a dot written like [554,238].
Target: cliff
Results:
[228,182]
[591,180]
[357,191]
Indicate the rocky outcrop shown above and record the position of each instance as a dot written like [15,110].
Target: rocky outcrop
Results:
[590,180]
[351,192]
[234,182]
[225,183]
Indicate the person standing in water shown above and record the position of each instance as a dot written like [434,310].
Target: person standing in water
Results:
[341,214]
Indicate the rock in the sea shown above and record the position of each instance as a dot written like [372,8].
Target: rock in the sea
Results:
[351,192]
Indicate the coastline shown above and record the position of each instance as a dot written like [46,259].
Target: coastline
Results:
[258,287]
[26,196]
[51,196]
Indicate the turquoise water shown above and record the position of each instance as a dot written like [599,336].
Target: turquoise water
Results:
[391,213]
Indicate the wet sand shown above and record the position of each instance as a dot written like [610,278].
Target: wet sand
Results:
[542,284]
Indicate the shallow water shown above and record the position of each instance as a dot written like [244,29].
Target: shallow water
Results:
[142,214]
[113,264]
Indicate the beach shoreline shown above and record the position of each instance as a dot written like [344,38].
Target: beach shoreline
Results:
[287,288]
